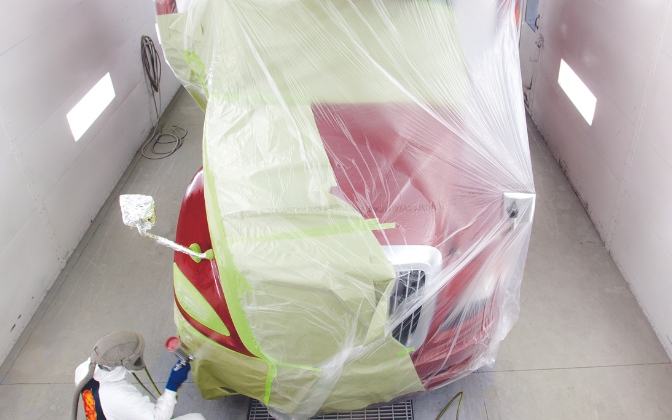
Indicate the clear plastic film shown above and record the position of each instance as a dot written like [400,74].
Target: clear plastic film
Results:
[366,188]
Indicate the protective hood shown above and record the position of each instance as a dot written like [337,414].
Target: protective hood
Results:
[100,375]
[116,375]
[120,348]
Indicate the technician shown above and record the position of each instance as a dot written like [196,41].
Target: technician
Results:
[106,394]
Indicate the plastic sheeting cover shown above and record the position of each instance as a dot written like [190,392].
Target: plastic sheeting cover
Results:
[368,190]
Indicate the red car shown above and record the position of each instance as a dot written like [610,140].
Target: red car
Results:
[441,180]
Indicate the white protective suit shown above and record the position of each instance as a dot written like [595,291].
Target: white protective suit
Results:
[122,401]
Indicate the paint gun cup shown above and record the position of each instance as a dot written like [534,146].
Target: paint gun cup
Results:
[175,346]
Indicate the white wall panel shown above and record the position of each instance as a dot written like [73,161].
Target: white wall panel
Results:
[650,186]
[667,40]
[657,120]
[17,204]
[5,145]
[641,255]
[570,141]
[56,63]
[51,54]
[644,16]
[607,57]
[612,134]
[29,265]
[54,136]
[621,165]
[96,171]
[20,19]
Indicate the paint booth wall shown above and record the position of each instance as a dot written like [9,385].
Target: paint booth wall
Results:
[621,165]
[51,186]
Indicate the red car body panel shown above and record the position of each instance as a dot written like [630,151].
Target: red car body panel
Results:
[192,227]
[421,197]
[418,196]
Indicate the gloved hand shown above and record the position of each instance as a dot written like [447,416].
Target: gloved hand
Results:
[178,375]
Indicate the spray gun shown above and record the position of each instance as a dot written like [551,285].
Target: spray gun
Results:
[175,345]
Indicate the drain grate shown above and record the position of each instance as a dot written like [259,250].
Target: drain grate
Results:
[397,411]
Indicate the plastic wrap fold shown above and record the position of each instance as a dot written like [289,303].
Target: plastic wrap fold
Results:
[366,188]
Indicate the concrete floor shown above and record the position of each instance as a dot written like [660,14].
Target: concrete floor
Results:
[581,349]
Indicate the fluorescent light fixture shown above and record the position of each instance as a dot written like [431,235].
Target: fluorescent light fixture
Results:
[577,91]
[89,108]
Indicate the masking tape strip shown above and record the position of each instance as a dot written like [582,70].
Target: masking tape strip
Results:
[406,351]
[358,226]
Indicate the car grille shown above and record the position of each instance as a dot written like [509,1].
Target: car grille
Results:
[409,282]
[397,411]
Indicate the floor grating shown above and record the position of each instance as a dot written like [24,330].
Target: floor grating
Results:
[396,411]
